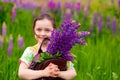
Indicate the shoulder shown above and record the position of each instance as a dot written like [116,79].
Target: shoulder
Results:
[28,55]
[31,49]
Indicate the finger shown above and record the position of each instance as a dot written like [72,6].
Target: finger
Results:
[73,21]
[50,64]
[79,24]
[54,66]
[57,69]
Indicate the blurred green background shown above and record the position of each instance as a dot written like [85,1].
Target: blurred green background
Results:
[99,60]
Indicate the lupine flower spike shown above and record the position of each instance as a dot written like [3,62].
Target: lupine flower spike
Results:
[10,46]
[64,39]
[13,13]
[20,42]
[4,29]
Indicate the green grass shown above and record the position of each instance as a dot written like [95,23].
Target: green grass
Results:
[99,60]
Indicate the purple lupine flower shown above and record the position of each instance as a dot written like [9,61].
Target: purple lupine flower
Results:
[78,6]
[1,41]
[20,42]
[26,5]
[64,39]
[58,4]
[6,1]
[69,5]
[100,23]
[95,19]
[4,29]
[67,55]
[119,3]
[10,46]
[20,4]
[108,22]
[67,16]
[15,1]
[114,25]
[54,42]
[85,11]
[81,36]
[51,4]
[13,14]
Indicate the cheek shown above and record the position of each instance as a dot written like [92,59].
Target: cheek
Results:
[49,33]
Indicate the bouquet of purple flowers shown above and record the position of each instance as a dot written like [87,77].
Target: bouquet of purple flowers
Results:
[65,38]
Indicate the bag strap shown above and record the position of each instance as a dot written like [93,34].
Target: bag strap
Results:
[40,48]
[37,56]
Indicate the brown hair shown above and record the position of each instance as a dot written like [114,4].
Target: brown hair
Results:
[44,16]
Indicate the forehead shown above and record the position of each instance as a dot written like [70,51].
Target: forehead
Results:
[44,23]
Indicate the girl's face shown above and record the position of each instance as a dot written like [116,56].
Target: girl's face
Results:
[43,29]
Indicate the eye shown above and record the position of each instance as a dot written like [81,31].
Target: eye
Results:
[47,30]
[39,29]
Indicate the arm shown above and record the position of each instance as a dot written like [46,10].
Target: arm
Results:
[68,75]
[26,73]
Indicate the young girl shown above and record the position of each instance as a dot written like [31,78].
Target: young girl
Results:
[42,27]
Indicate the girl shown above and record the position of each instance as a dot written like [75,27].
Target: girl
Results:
[42,27]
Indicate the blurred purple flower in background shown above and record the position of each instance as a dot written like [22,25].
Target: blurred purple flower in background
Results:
[67,16]
[108,23]
[69,5]
[119,5]
[78,6]
[4,29]
[85,11]
[100,23]
[10,46]
[58,7]
[13,13]
[58,4]
[20,42]
[6,0]
[51,4]
[95,19]
[64,39]
[114,25]
[15,2]
[29,5]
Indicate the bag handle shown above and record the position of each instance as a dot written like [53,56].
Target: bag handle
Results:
[40,50]
[37,56]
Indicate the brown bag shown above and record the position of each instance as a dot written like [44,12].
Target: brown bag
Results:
[40,66]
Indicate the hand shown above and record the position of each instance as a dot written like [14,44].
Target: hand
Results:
[51,70]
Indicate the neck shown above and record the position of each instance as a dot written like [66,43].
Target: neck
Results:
[44,46]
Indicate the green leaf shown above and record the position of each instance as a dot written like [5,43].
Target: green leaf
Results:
[46,56]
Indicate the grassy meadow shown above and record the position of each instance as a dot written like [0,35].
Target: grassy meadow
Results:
[99,60]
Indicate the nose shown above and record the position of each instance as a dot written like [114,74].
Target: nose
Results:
[42,33]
